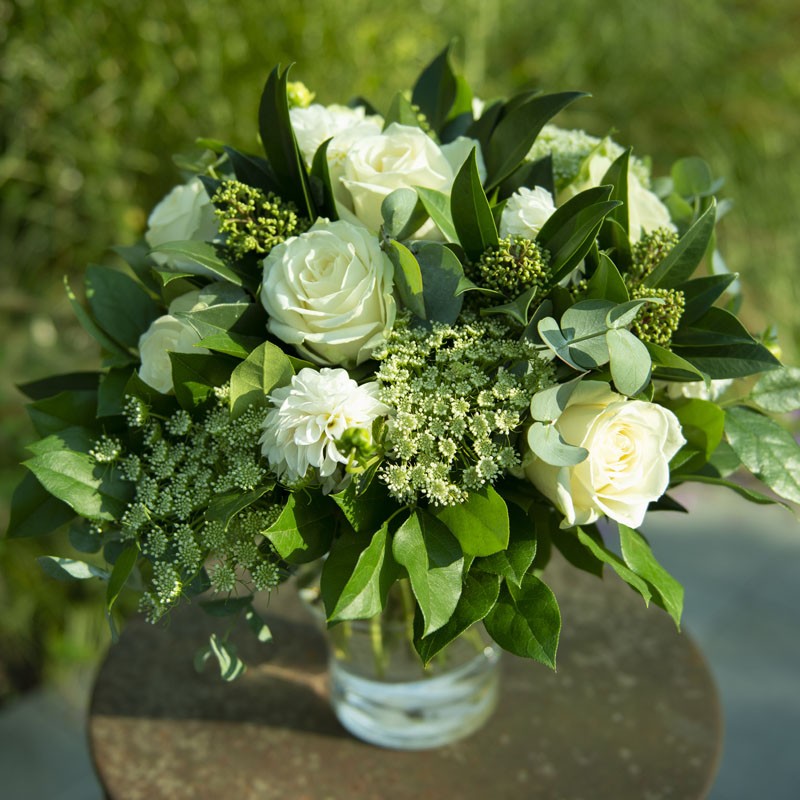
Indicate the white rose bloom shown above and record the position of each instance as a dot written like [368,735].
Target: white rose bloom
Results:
[168,334]
[316,123]
[185,214]
[526,211]
[402,156]
[328,292]
[697,389]
[630,444]
[310,414]
[646,212]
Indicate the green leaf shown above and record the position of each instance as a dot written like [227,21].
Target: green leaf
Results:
[401,112]
[230,665]
[119,304]
[233,344]
[366,511]
[111,393]
[224,507]
[92,491]
[778,391]
[304,530]
[195,375]
[743,491]
[629,360]
[265,369]
[567,543]
[123,567]
[702,423]
[692,177]
[607,283]
[434,92]
[625,313]
[716,327]
[77,408]
[546,443]
[56,384]
[324,197]
[434,561]
[511,141]
[518,309]
[617,177]
[527,621]
[513,563]
[548,404]
[356,579]
[226,606]
[442,277]
[700,294]
[599,551]
[472,216]
[203,255]
[34,511]
[85,537]
[66,569]
[729,361]
[402,213]
[639,557]
[551,335]
[258,626]
[437,205]
[91,327]
[478,597]
[480,523]
[277,136]
[768,450]
[668,366]
[407,278]
[252,170]
[679,264]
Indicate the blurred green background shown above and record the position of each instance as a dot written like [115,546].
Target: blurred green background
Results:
[98,94]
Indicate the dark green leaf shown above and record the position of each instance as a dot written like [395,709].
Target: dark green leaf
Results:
[513,563]
[472,216]
[123,567]
[518,309]
[204,256]
[617,177]
[402,213]
[119,304]
[567,543]
[402,112]
[511,140]
[321,183]
[304,530]
[94,330]
[442,276]
[700,294]
[702,423]
[437,205]
[280,146]
[85,537]
[607,283]
[67,569]
[679,264]
[668,366]
[432,556]
[233,344]
[65,410]
[252,170]
[227,606]
[526,621]
[478,597]
[224,507]
[528,175]
[715,327]
[111,394]
[194,376]
[366,511]
[729,361]
[34,511]
[434,92]
[56,384]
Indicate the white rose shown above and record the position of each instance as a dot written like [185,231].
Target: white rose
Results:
[697,389]
[316,123]
[168,334]
[646,212]
[630,444]
[402,156]
[328,292]
[310,415]
[526,211]
[185,214]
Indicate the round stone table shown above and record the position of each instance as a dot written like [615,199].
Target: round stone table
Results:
[632,712]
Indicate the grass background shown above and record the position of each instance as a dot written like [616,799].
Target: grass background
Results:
[98,94]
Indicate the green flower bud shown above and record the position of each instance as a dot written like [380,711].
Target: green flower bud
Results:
[657,322]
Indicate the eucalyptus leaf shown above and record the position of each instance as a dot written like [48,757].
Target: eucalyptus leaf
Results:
[546,443]
[629,360]
[442,276]
[548,404]
[402,213]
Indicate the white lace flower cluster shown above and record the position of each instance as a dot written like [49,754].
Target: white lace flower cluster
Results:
[460,392]
[182,466]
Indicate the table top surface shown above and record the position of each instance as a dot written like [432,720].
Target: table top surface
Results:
[631,712]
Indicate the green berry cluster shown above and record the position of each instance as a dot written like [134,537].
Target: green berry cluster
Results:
[252,221]
[650,251]
[657,322]
[515,265]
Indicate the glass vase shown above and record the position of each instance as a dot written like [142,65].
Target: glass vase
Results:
[381,692]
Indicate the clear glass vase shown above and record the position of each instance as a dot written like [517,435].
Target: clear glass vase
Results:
[381,692]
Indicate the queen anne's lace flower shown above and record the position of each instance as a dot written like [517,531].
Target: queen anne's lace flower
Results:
[310,415]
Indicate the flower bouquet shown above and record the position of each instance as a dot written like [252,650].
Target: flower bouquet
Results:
[419,350]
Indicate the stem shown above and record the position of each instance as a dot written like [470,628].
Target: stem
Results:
[376,640]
